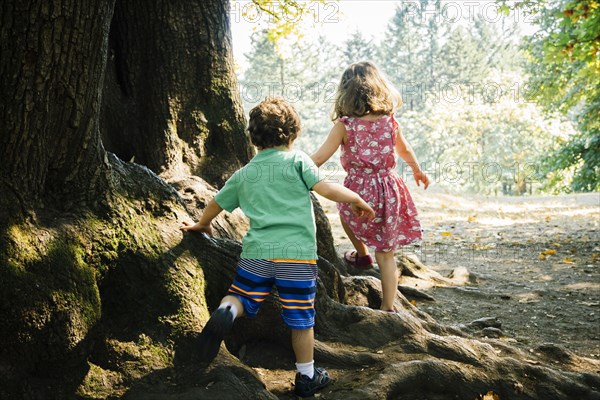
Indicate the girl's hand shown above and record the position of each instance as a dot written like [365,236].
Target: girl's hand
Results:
[421,177]
[196,228]
[362,209]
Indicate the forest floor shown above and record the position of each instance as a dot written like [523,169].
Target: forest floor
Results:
[534,264]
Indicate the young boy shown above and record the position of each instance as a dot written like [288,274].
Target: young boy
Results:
[273,190]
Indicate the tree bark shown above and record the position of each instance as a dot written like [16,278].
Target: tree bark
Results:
[52,61]
[171,100]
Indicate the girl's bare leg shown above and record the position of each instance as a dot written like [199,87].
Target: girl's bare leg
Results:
[361,248]
[389,278]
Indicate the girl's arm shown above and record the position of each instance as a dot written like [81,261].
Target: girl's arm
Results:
[340,194]
[331,144]
[408,155]
[210,212]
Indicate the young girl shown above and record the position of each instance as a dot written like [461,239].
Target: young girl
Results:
[368,134]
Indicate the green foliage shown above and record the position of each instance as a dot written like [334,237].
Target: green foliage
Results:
[564,68]
[573,166]
[285,18]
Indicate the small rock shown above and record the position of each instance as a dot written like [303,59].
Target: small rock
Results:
[492,332]
[486,322]
[518,387]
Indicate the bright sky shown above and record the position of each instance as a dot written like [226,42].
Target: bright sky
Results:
[336,19]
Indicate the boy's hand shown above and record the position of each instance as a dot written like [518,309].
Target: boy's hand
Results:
[196,228]
[362,209]
[421,177]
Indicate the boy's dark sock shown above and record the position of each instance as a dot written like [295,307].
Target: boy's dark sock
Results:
[217,327]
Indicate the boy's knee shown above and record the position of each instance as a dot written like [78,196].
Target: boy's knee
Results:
[304,331]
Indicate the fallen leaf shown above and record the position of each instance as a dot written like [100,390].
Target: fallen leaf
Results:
[542,257]
[548,252]
[547,218]
[490,396]
[556,244]
[471,218]
[446,233]
[413,302]
[568,261]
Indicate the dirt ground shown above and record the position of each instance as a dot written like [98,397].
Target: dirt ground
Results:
[534,264]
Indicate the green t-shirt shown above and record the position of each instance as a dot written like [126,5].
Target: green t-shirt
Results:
[273,190]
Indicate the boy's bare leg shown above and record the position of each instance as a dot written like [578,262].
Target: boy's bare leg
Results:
[303,343]
[308,378]
[361,248]
[389,278]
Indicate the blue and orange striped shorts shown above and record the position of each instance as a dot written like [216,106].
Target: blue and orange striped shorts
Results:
[296,282]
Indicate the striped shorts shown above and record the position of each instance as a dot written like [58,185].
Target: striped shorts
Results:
[296,282]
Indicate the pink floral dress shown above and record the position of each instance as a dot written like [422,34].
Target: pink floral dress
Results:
[370,161]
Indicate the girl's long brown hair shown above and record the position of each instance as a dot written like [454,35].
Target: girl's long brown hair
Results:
[364,90]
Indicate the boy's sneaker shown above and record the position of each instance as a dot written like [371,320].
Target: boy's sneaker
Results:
[217,327]
[305,386]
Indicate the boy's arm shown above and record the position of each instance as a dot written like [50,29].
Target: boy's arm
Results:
[203,225]
[408,155]
[331,144]
[340,194]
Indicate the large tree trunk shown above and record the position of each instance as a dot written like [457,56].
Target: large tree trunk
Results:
[102,297]
[52,60]
[171,100]
[85,255]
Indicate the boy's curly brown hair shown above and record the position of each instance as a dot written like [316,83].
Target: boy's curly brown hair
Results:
[273,122]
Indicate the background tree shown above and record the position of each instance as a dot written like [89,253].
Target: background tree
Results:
[402,53]
[564,68]
[464,58]
[357,48]
[305,73]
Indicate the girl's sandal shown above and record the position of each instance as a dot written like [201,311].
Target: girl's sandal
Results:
[358,262]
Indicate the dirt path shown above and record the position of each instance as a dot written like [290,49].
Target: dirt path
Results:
[534,264]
